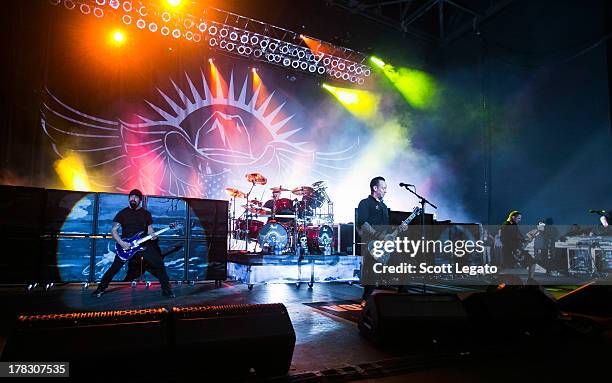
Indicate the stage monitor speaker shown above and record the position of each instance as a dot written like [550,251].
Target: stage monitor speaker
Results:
[95,343]
[512,311]
[344,238]
[421,322]
[231,340]
[592,300]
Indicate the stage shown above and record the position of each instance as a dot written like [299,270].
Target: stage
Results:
[326,344]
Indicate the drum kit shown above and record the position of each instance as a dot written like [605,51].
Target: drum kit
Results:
[301,224]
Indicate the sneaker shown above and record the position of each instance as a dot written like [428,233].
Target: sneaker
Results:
[168,293]
[97,293]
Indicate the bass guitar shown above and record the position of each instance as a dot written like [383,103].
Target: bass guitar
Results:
[136,241]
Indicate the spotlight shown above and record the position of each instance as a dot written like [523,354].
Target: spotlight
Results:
[212,42]
[248,51]
[254,39]
[366,72]
[257,53]
[173,3]
[212,30]
[359,70]
[210,60]
[189,35]
[295,64]
[223,32]
[69,4]
[326,61]
[303,65]
[345,76]
[188,23]
[301,36]
[85,9]
[264,43]
[360,81]
[222,44]
[202,27]
[118,37]
[286,62]
[240,49]
[270,57]
[231,46]
[100,2]
[196,37]
[334,63]
[301,54]
[341,66]
[140,23]
[165,30]
[176,33]
[254,70]
[378,62]
[127,6]
[114,4]
[98,12]
[127,19]
[143,11]
[273,45]
[166,16]
[321,70]
[244,38]
[233,36]
[312,68]
[153,27]
[284,49]
[278,58]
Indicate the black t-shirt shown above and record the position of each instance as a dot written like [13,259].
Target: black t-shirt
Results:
[133,221]
[372,211]
[511,236]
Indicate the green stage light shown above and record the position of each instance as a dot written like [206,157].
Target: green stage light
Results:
[361,103]
[378,62]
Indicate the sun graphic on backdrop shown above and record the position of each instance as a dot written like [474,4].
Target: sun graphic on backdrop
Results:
[201,139]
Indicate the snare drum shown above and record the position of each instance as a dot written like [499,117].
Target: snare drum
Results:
[320,237]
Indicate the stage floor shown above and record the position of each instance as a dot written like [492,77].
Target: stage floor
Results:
[323,341]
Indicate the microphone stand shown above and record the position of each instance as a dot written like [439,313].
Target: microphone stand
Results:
[422,201]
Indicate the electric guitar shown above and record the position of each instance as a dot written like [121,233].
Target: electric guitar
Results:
[135,243]
[521,255]
[384,257]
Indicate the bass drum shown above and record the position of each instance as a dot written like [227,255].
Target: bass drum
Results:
[273,238]
[320,237]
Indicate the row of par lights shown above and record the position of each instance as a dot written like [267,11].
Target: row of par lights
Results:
[241,41]
[275,51]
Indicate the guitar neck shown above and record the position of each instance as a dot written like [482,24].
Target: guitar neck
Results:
[148,237]
[404,222]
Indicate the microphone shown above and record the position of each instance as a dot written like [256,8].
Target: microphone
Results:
[403,185]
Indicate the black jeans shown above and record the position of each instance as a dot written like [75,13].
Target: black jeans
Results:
[153,261]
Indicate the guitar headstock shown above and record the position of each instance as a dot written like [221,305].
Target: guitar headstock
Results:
[416,211]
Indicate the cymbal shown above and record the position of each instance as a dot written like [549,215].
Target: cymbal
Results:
[256,202]
[256,178]
[232,192]
[303,190]
[257,210]
[318,184]
[278,189]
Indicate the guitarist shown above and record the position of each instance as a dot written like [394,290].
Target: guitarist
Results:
[372,212]
[134,219]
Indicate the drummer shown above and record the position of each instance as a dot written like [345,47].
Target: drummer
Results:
[279,208]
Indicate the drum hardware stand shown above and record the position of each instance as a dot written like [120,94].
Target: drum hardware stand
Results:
[248,223]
